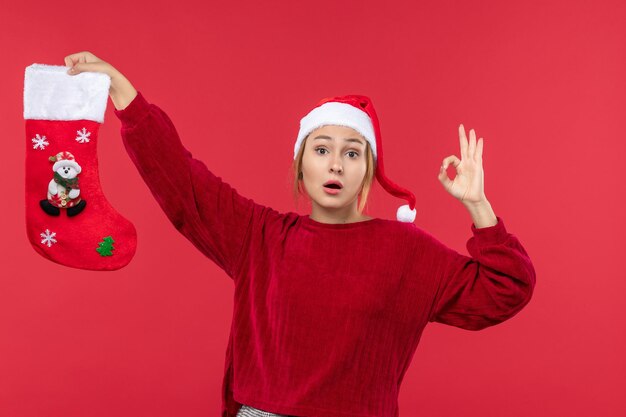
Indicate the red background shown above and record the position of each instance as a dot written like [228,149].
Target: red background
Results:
[541,82]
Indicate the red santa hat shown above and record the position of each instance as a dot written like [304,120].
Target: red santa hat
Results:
[357,112]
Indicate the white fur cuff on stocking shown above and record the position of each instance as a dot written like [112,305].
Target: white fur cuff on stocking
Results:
[50,93]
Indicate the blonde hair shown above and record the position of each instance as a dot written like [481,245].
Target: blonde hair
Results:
[370,171]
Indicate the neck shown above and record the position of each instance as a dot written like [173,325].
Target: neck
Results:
[333,215]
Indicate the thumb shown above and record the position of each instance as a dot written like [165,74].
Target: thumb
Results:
[86,67]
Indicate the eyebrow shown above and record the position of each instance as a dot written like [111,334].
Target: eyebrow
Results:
[347,139]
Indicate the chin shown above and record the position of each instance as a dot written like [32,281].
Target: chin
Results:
[332,202]
[324,203]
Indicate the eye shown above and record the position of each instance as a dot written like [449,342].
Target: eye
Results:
[355,154]
[320,149]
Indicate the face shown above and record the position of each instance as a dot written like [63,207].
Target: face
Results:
[334,153]
[67,172]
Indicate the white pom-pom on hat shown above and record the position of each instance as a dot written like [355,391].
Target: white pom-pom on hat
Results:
[405,214]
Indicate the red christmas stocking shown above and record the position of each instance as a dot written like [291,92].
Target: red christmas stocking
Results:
[68,218]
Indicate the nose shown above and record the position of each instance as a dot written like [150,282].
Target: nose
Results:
[336,166]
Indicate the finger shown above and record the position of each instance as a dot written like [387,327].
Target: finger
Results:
[472,144]
[462,141]
[443,177]
[450,160]
[85,67]
[72,59]
[479,150]
[74,69]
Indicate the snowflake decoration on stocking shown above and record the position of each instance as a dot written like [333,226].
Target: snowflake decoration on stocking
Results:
[48,238]
[39,142]
[83,135]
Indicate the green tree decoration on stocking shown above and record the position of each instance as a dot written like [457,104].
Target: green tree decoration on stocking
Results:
[106,246]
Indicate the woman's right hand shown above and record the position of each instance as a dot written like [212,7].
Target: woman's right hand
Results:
[121,91]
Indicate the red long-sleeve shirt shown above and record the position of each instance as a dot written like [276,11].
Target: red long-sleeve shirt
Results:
[327,317]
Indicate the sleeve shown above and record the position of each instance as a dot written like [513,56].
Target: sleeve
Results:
[206,210]
[489,287]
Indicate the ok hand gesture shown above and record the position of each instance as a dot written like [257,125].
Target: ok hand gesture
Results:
[468,184]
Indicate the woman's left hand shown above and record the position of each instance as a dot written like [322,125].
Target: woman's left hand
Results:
[468,184]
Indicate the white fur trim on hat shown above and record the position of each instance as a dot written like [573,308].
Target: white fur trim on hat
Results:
[50,93]
[336,113]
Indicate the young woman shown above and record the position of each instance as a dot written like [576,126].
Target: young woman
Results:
[328,307]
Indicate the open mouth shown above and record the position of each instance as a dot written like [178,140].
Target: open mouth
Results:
[334,186]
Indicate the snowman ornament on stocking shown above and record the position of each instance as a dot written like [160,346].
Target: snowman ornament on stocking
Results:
[63,190]
[68,219]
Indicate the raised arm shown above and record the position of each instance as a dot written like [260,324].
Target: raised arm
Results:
[206,210]
[498,279]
